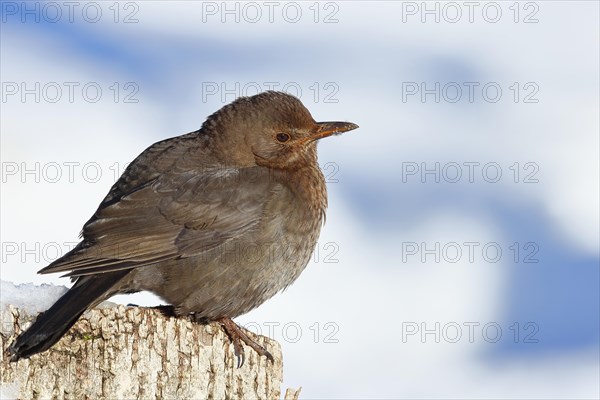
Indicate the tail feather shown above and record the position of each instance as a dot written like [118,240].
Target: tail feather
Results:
[51,325]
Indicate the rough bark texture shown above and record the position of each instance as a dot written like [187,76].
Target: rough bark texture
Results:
[133,352]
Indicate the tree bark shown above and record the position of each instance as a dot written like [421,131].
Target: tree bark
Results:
[133,352]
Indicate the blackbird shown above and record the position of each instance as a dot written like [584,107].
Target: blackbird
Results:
[215,221]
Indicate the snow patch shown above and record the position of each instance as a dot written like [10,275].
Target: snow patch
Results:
[28,297]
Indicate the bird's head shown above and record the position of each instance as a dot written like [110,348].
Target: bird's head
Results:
[271,129]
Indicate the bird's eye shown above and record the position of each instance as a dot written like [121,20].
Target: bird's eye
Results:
[282,137]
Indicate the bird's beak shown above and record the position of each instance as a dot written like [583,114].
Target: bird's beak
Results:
[324,129]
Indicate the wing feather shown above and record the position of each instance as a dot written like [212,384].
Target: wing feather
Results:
[166,216]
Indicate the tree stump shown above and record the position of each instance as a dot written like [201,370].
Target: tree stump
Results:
[134,352]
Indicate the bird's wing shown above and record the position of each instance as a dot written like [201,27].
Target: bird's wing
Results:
[177,214]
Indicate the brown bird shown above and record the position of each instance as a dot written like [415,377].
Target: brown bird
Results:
[215,222]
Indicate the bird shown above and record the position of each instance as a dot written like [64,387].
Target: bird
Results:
[214,222]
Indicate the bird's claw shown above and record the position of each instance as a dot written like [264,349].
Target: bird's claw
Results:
[237,336]
[238,350]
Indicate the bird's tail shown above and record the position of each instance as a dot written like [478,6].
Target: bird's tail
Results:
[51,325]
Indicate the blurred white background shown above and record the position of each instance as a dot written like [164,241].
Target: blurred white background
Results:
[425,283]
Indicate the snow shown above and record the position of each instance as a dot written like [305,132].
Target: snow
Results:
[29,297]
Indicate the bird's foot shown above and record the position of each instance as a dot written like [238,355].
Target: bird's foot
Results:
[237,336]
[166,310]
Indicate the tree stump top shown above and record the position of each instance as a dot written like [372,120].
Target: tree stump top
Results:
[135,352]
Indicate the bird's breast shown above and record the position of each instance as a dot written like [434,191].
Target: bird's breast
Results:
[250,268]
[292,222]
